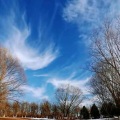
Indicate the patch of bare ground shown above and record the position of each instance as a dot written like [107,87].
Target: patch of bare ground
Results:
[11,118]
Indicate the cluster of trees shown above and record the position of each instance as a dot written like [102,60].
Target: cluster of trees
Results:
[46,109]
[25,109]
[92,113]
[68,99]
[106,110]
[105,63]
[109,110]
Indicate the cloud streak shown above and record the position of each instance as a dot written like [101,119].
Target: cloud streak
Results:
[17,34]
[41,75]
[82,84]
[37,92]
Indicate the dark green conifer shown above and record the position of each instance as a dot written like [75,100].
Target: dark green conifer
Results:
[95,112]
[85,113]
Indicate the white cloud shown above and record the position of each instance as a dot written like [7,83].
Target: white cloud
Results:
[82,84]
[89,14]
[35,92]
[79,11]
[76,10]
[41,75]
[15,38]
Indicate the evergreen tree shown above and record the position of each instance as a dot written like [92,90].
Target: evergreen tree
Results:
[95,112]
[117,111]
[109,110]
[103,109]
[85,113]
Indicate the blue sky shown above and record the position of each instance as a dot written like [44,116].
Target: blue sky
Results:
[51,39]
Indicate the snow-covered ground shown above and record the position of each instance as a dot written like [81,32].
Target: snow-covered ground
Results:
[41,119]
[76,119]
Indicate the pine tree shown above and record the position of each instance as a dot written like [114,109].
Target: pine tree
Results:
[85,113]
[103,109]
[109,110]
[95,112]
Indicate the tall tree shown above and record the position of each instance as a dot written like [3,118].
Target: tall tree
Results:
[55,111]
[34,109]
[45,109]
[68,99]
[11,76]
[108,110]
[104,110]
[16,108]
[94,112]
[25,109]
[105,63]
[85,113]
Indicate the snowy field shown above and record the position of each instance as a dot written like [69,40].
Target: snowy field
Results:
[41,119]
[76,119]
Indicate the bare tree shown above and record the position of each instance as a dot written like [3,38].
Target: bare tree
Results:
[16,108]
[106,62]
[46,109]
[68,99]
[99,89]
[34,109]
[55,111]
[25,109]
[11,74]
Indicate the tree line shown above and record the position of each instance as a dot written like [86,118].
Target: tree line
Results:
[68,99]
[106,110]
[49,110]
[25,109]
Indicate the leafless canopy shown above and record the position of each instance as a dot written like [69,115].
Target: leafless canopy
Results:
[11,76]
[106,61]
[68,99]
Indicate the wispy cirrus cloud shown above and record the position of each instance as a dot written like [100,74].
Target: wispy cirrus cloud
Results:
[41,75]
[35,92]
[15,34]
[80,11]
[82,84]
[89,14]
